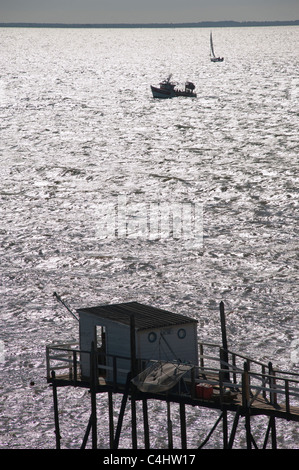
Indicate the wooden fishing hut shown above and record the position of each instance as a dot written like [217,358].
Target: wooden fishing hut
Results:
[131,332]
[118,342]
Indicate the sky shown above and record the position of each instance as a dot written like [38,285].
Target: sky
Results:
[146,11]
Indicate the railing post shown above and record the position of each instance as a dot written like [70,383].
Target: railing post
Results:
[224,363]
[201,355]
[224,339]
[264,382]
[287,392]
[245,386]
[245,402]
[70,359]
[75,366]
[234,368]
[273,395]
[114,374]
[221,391]
[48,362]
[193,382]
[133,346]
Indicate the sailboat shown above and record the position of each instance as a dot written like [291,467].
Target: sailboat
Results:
[212,53]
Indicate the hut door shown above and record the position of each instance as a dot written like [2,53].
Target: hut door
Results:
[100,334]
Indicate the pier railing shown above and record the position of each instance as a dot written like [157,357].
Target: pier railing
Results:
[227,372]
[252,378]
[65,361]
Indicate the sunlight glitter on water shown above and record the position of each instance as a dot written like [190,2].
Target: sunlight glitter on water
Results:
[79,127]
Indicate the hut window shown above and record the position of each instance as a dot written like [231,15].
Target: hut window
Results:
[181,333]
[152,337]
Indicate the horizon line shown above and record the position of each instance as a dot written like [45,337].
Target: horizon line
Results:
[151,24]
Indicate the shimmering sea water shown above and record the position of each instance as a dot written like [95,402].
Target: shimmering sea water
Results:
[78,128]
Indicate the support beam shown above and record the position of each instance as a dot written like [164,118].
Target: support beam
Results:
[85,439]
[272,428]
[211,432]
[122,412]
[234,429]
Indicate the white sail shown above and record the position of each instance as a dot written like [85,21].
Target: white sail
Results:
[212,47]
[212,53]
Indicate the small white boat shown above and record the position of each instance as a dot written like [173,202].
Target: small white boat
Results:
[161,376]
[169,89]
[212,53]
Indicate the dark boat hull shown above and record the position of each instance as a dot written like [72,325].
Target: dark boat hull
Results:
[164,93]
[161,93]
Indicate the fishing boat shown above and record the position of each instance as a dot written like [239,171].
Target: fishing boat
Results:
[169,89]
[212,53]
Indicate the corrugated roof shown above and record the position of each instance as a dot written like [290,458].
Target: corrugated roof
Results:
[145,316]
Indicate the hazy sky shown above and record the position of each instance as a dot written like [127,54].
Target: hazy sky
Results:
[146,11]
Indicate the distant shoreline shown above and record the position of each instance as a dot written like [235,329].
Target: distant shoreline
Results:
[203,24]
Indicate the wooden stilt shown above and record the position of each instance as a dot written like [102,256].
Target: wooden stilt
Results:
[133,374]
[56,418]
[183,426]
[273,432]
[225,432]
[133,422]
[248,430]
[145,424]
[93,397]
[169,427]
[111,424]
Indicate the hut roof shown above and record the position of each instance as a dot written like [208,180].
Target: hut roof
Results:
[145,316]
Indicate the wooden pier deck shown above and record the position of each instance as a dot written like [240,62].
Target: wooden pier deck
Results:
[240,385]
[232,401]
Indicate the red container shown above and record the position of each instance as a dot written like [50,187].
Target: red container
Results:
[204,391]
